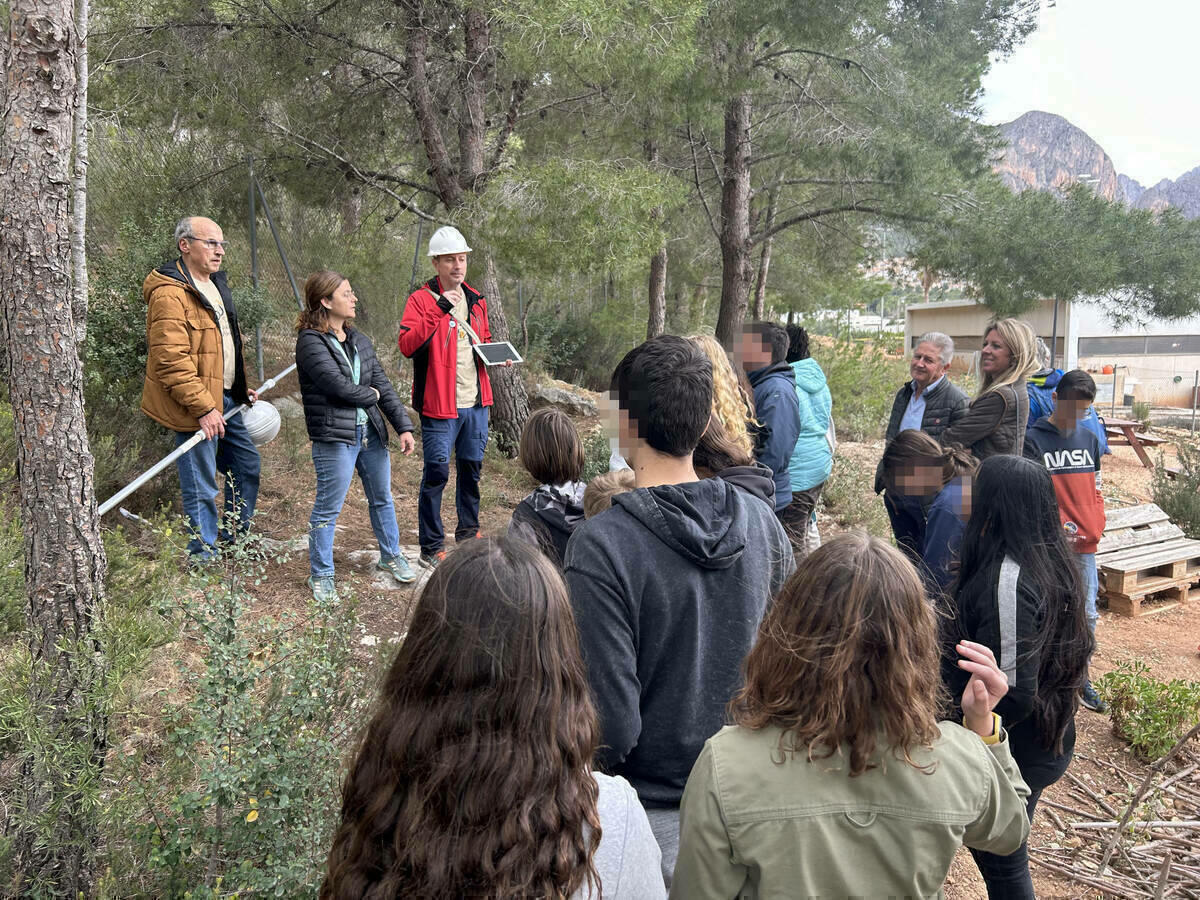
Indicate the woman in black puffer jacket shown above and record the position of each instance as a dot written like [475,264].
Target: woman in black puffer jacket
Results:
[346,397]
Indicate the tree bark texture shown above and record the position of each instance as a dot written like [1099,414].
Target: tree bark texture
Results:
[510,400]
[65,563]
[764,260]
[79,270]
[656,320]
[735,220]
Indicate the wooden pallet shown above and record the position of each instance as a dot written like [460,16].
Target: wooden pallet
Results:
[1143,557]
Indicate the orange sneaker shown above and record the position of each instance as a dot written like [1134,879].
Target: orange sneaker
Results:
[431,560]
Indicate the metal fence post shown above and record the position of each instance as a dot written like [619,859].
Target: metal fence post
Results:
[1195,394]
[1114,399]
[258,347]
[279,246]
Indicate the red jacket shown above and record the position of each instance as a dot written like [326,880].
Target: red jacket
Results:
[426,339]
[1074,463]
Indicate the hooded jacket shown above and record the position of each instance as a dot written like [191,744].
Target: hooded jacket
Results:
[668,588]
[332,399]
[1041,386]
[548,516]
[185,363]
[1074,463]
[812,457]
[427,339]
[776,407]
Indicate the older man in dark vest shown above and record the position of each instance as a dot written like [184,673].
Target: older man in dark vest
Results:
[929,403]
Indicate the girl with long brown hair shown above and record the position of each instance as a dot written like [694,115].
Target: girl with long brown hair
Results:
[474,776]
[837,778]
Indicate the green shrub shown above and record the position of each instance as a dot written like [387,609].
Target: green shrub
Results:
[244,794]
[1151,715]
[1179,497]
[863,382]
[850,500]
[1141,412]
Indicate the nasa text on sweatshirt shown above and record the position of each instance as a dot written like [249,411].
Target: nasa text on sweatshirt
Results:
[1073,459]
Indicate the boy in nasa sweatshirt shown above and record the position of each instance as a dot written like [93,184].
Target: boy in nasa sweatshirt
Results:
[1072,454]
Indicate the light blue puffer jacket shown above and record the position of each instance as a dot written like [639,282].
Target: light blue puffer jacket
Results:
[812,460]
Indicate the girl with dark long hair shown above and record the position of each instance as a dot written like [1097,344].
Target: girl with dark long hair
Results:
[916,466]
[474,776]
[837,778]
[1019,592]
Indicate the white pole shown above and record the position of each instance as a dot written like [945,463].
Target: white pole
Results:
[183,448]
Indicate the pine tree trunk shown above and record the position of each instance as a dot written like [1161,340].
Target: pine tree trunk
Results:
[735,221]
[764,260]
[52,828]
[510,401]
[79,271]
[657,320]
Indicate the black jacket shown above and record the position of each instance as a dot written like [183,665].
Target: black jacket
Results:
[1000,607]
[945,404]
[547,518]
[668,588]
[331,398]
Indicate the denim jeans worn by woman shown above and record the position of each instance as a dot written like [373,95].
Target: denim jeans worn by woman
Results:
[336,463]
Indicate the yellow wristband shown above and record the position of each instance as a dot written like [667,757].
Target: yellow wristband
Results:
[994,737]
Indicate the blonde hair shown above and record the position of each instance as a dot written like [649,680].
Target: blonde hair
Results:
[731,404]
[1018,337]
[599,493]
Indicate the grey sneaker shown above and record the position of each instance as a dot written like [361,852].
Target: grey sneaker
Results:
[431,560]
[1090,699]
[398,567]
[323,589]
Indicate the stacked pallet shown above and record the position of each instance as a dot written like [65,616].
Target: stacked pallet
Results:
[1142,557]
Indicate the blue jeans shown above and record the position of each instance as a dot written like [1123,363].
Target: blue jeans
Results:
[335,464]
[467,437]
[1091,584]
[237,459]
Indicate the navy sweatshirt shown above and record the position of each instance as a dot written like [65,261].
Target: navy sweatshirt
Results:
[668,588]
[778,409]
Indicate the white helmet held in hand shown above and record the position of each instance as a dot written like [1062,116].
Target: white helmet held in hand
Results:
[447,239]
[262,422]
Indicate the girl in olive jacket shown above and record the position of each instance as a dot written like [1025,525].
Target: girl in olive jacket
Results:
[838,779]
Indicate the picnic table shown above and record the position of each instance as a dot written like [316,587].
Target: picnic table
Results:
[1124,432]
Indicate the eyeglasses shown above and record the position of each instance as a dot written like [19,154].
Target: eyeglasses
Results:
[208,242]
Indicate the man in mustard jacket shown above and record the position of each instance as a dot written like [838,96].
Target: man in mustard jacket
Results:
[195,375]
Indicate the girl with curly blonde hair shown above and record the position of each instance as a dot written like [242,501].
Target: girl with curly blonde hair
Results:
[732,403]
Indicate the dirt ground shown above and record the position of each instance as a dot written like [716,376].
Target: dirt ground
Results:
[1167,641]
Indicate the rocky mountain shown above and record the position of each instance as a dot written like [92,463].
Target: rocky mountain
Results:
[1046,152]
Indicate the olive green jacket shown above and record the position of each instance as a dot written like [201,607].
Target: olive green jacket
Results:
[753,827]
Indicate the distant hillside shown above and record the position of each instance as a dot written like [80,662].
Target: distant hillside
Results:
[1046,152]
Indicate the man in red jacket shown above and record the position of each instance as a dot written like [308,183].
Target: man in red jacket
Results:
[451,390]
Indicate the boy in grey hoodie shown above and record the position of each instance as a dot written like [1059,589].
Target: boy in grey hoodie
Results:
[669,585]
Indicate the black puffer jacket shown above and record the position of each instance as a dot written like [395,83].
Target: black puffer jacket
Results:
[331,398]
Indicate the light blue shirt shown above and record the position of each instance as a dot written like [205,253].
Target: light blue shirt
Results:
[911,420]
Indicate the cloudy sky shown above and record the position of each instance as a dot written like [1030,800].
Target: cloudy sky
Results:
[1125,71]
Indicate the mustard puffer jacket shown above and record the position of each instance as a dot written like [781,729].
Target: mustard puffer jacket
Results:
[185,365]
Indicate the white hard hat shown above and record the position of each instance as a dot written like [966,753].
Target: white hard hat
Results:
[447,239]
[262,422]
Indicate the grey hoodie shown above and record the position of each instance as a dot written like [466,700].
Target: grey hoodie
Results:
[668,588]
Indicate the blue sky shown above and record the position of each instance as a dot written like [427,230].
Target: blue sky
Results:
[1125,71]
